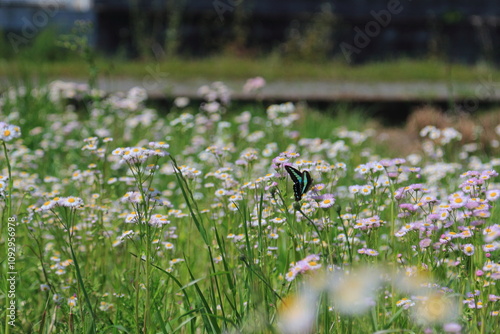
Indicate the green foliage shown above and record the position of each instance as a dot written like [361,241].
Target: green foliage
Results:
[6,51]
[43,48]
[78,42]
[172,32]
[314,42]
[272,68]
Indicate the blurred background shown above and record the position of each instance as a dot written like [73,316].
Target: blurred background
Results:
[455,30]
[399,51]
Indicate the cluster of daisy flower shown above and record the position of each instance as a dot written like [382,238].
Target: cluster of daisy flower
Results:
[217,96]
[309,263]
[282,114]
[137,155]
[68,202]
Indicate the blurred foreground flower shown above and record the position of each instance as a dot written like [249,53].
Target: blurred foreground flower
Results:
[353,292]
[297,313]
[436,308]
[452,328]
[414,280]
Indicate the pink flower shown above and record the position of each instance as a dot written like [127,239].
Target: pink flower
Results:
[254,84]
[386,162]
[326,203]
[493,298]
[433,217]
[492,195]
[491,173]
[489,247]
[367,223]
[468,249]
[393,175]
[306,264]
[452,328]
[368,251]
[471,204]
[470,173]
[425,243]
[409,207]
[399,194]
[458,200]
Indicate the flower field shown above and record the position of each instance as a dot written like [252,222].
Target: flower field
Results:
[121,218]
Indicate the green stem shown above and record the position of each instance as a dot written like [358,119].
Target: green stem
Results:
[137,289]
[346,239]
[144,213]
[148,273]
[393,245]
[80,281]
[393,222]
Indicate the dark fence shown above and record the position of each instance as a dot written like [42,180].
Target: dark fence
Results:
[459,30]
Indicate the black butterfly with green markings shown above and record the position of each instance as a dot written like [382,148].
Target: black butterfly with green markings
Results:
[302,181]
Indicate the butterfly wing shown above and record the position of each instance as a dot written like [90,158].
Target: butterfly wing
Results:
[295,174]
[297,178]
[307,183]
[297,191]
[302,181]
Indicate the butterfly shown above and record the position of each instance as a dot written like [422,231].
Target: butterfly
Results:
[302,181]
